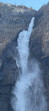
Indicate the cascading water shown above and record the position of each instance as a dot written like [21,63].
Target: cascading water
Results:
[28,90]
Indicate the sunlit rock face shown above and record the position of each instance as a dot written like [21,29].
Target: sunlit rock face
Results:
[13,19]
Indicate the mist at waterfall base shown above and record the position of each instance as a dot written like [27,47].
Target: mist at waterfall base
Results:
[28,91]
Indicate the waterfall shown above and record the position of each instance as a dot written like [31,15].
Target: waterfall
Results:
[28,90]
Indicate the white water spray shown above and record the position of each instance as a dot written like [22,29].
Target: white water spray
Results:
[28,88]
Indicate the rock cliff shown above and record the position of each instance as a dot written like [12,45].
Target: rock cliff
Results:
[13,19]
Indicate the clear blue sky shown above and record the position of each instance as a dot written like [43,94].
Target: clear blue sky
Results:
[36,4]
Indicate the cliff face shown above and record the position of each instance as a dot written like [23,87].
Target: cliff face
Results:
[39,44]
[13,19]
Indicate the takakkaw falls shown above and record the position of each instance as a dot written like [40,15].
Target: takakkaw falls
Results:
[28,93]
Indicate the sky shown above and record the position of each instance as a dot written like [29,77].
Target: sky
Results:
[35,4]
